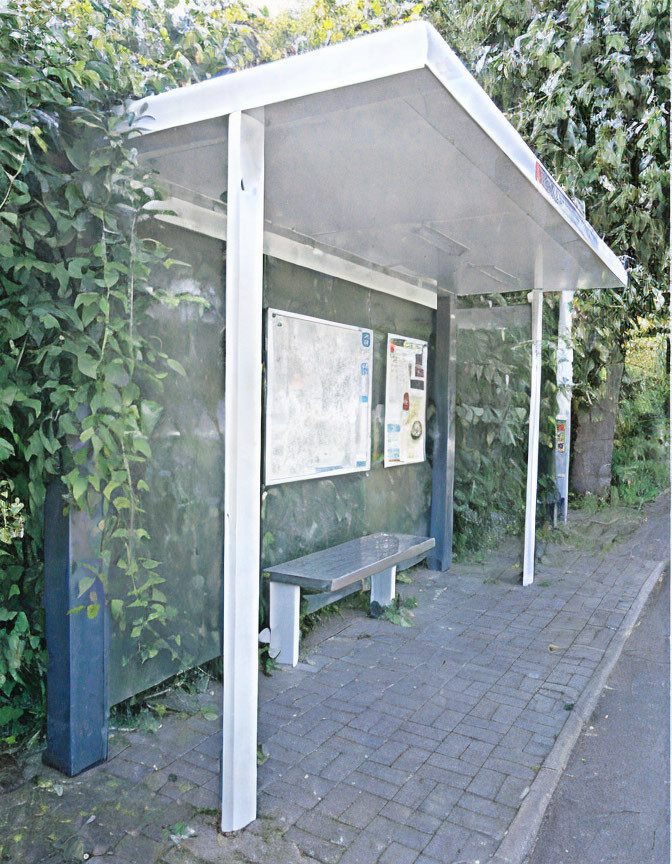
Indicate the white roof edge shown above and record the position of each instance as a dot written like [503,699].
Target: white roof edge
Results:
[402,48]
[451,72]
[366,58]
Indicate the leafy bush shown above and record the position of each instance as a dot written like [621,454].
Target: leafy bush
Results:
[641,468]
[492,415]
[75,290]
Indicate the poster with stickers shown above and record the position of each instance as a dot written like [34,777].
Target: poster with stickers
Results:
[405,400]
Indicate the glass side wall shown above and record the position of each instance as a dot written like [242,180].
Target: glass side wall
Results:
[185,475]
[309,515]
[492,416]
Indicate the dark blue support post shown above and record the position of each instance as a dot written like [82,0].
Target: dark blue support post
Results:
[443,465]
[77,643]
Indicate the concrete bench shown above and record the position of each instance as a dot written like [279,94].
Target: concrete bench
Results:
[334,573]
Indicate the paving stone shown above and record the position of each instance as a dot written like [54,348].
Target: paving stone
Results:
[492,827]
[194,773]
[323,731]
[303,797]
[176,789]
[363,809]
[520,757]
[404,815]
[327,828]
[131,771]
[373,785]
[157,825]
[360,737]
[138,848]
[456,844]
[486,783]
[449,763]
[511,791]
[440,801]
[211,746]
[388,830]
[414,791]
[477,752]
[342,766]
[481,805]
[203,798]
[471,729]
[318,786]
[386,773]
[202,760]
[338,799]
[366,849]
[321,850]
[389,752]
[282,811]
[516,738]
[398,854]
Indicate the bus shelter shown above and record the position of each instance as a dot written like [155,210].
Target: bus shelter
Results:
[373,183]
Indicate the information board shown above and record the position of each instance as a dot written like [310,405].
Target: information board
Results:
[318,397]
[405,400]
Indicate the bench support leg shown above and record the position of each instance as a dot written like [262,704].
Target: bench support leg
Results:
[284,622]
[383,587]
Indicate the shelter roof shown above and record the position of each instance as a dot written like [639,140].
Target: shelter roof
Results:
[384,152]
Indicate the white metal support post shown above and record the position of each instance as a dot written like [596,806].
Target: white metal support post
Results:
[564,379]
[242,466]
[533,437]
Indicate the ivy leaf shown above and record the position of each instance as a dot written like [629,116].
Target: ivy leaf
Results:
[79,487]
[142,446]
[84,584]
[87,365]
[177,367]
[92,610]
[6,449]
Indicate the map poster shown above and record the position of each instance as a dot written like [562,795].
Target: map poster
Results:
[318,397]
[405,400]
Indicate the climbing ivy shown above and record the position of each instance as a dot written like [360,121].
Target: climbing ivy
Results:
[75,289]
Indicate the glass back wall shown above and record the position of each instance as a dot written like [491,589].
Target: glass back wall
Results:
[306,516]
[185,474]
[492,415]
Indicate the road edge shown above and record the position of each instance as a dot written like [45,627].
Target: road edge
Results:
[519,839]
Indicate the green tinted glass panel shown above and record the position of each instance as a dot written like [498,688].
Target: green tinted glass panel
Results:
[492,416]
[309,515]
[185,473]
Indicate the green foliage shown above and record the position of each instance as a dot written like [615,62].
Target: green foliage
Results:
[586,84]
[399,611]
[75,290]
[12,520]
[641,447]
[492,414]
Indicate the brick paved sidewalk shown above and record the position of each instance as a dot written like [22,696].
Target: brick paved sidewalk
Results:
[386,745]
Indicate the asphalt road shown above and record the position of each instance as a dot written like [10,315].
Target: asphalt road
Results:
[612,803]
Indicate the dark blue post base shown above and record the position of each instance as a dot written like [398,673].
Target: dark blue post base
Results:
[77,644]
[443,460]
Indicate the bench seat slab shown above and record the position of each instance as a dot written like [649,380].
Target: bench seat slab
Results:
[335,568]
